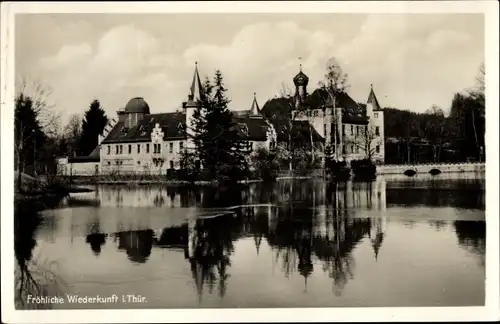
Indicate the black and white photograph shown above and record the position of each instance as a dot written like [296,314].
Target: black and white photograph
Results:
[247,161]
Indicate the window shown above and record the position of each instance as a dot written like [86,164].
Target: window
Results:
[357,130]
[138,148]
[139,162]
[343,149]
[156,148]
[343,130]
[147,148]
[377,149]
[117,149]
[377,130]
[171,164]
[159,148]
[109,163]
[376,115]
[130,149]
[324,129]
[181,145]
[171,148]
[357,149]
[121,149]
[251,146]
[109,149]
[352,130]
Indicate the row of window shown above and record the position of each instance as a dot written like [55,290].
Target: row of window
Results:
[171,164]
[358,129]
[156,148]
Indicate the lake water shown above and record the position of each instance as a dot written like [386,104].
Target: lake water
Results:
[393,242]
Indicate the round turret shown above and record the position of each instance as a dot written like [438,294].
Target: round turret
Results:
[137,105]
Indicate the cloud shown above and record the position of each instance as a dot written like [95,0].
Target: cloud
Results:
[413,63]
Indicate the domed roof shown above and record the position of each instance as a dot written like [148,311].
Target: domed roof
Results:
[137,105]
[301,79]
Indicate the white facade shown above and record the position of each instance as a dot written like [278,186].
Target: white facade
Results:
[355,141]
[156,156]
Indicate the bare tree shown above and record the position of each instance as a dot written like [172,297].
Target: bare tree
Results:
[335,78]
[286,92]
[366,141]
[336,81]
[39,93]
[478,94]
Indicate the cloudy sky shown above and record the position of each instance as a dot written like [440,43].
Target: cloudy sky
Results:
[413,61]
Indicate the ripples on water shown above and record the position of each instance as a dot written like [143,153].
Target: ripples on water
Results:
[392,242]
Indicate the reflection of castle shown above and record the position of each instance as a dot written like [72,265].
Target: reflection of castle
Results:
[314,224]
[137,244]
[147,196]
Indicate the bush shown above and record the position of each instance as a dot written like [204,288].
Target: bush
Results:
[266,164]
[364,169]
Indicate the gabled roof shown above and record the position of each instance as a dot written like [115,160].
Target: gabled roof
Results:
[172,124]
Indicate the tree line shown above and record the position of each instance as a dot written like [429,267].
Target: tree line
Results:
[40,139]
[434,136]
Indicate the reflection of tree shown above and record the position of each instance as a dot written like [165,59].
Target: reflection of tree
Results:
[95,238]
[159,200]
[32,277]
[463,193]
[212,242]
[438,225]
[96,241]
[223,197]
[137,244]
[472,236]
[377,237]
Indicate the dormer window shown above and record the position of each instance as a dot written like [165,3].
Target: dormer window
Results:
[376,115]
[244,128]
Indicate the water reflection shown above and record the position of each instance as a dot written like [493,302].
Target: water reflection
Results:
[33,276]
[310,228]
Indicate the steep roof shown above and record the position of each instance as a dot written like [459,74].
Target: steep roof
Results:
[321,97]
[373,99]
[255,110]
[195,91]
[172,124]
[251,129]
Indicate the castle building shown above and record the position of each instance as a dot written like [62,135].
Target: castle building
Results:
[350,131]
[137,141]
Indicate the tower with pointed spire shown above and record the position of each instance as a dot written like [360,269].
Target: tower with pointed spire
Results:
[301,80]
[254,109]
[375,116]
[194,101]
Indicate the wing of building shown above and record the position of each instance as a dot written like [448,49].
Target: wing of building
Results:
[330,118]
[137,141]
